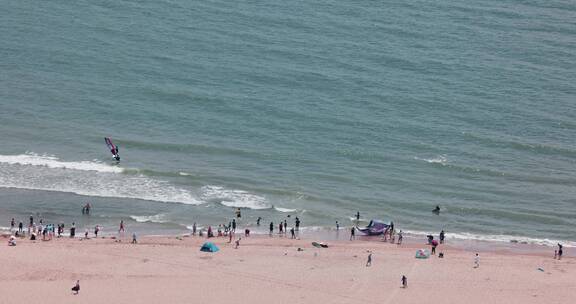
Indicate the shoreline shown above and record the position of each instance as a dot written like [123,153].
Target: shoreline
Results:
[342,236]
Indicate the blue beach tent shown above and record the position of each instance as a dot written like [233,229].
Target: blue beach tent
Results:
[209,247]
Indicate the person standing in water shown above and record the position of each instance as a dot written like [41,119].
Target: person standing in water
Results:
[358,216]
[271,228]
[258,221]
[442,237]
[297,224]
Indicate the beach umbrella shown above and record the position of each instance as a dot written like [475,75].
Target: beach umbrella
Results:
[209,247]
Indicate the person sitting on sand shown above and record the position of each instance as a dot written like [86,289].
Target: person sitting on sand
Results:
[12,241]
[237,243]
[76,287]
[33,236]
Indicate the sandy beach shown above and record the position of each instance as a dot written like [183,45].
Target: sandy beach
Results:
[272,270]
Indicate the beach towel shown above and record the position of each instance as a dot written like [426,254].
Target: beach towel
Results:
[422,254]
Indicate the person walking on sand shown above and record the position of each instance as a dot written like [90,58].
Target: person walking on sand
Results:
[292,234]
[20,227]
[297,220]
[234,225]
[76,287]
[337,226]
[369,261]
[194,229]
[121,226]
[96,230]
[559,251]
[134,240]
[352,234]
[230,236]
[12,224]
[476,261]
[404,281]
[400,237]
[271,228]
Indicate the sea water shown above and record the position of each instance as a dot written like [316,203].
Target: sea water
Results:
[315,109]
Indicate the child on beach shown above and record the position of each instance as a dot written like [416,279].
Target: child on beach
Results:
[237,243]
[477,261]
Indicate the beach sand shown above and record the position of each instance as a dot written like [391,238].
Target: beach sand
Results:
[272,270]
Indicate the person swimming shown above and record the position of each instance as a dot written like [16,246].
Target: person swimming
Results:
[436,210]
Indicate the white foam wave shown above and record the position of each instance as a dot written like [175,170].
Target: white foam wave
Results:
[33,159]
[234,198]
[157,218]
[280,209]
[442,160]
[495,238]
[34,172]
[184,173]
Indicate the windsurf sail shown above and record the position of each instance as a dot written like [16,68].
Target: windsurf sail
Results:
[375,227]
[113,148]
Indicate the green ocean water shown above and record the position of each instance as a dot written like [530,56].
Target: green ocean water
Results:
[315,109]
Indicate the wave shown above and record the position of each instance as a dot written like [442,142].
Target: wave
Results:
[286,210]
[234,198]
[91,178]
[442,160]
[50,161]
[157,218]
[466,236]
